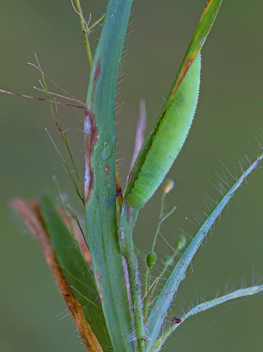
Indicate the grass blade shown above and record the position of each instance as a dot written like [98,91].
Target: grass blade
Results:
[76,271]
[100,168]
[202,30]
[171,285]
[135,194]
[31,213]
[243,292]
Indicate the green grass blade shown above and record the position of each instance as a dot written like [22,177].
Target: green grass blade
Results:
[100,167]
[139,190]
[243,292]
[171,132]
[76,271]
[202,30]
[171,285]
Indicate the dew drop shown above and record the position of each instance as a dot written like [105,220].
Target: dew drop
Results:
[202,41]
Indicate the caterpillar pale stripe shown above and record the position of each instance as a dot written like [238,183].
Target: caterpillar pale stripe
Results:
[166,140]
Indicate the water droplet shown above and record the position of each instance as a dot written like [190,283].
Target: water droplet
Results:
[106,151]
[202,41]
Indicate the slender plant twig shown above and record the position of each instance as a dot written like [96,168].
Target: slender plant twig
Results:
[57,121]
[41,99]
[59,95]
[156,281]
[148,270]
[159,222]
[67,169]
[55,84]
[85,29]
[58,124]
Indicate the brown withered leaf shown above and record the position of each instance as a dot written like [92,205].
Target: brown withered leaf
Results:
[31,214]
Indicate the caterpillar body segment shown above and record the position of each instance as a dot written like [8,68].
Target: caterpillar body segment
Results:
[167,138]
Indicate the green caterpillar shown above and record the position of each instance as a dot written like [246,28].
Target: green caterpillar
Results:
[165,141]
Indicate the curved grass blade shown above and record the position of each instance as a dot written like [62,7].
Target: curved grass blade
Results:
[99,179]
[243,292]
[202,30]
[76,271]
[171,285]
[137,197]
[168,140]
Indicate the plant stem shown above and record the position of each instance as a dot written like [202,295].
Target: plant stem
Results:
[85,31]
[127,223]
[159,222]
[158,279]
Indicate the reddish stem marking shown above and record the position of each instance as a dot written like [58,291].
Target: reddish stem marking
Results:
[91,139]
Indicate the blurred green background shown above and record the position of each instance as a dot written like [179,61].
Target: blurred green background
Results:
[229,117]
